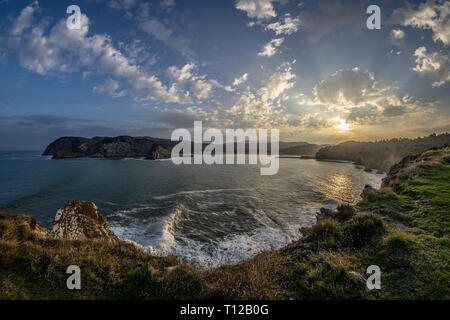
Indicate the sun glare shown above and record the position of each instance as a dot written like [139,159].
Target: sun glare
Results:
[342,126]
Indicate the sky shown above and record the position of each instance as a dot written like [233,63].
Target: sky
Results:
[311,69]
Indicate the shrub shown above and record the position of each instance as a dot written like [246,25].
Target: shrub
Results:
[395,251]
[362,228]
[323,230]
[345,212]
[324,234]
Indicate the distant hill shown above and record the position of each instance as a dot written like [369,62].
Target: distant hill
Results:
[301,150]
[382,154]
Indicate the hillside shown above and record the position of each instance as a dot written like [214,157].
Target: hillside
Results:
[403,228]
[383,154]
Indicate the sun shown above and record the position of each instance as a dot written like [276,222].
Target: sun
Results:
[342,126]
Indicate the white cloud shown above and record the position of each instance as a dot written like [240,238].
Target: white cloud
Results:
[241,80]
[260,9]
[24,20]
[182,74]
[397,34]
[288,26]
[64,50]
[277,84]
[111,87]
[432,14]
[436,64]
[270,48]
[202,89]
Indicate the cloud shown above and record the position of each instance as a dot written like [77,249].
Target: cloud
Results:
[160,31]
[436,64]
[356,95]
[24,20]
[277,84]
[238,81]
[111,87]
[363,114]
[393,111]
[269,49]
[260,9]
[432,14]
[202,89]
[61,50]
[288,26]
[347,87]
[396,37]
[263,108]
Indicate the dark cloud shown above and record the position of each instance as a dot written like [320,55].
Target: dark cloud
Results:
[175,119]
[363,114]
[393,111]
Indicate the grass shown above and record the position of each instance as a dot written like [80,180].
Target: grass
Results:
[403,228]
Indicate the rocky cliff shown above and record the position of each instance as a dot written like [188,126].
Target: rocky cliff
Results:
[107,147]
[81,220]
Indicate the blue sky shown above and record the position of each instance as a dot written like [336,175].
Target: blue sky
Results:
[311,69]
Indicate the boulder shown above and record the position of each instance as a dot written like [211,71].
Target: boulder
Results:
[81,220]
[327,211]
[368,189]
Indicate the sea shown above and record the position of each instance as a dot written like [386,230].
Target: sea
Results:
[207,215]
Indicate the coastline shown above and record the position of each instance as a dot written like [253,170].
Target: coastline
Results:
[328,262]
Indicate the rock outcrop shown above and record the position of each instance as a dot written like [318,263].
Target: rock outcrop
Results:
[159,152]
[327,211]
[368,189]
[107,147]
[81,220]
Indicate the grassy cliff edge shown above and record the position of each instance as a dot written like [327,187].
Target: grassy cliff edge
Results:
[403,228]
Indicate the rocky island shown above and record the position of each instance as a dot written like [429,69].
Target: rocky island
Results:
[110,147]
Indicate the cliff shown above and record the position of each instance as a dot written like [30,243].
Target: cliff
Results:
[383,154]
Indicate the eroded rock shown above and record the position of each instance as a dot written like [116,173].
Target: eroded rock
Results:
[81,220]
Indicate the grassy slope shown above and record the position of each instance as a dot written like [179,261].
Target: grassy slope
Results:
[403,228]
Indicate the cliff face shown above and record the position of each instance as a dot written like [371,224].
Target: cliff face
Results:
[107,147]
[81,220]
[381,155]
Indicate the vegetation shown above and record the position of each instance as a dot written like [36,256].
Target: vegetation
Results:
[403,228]
[382,154]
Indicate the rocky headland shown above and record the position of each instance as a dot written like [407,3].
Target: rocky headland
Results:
[110,147]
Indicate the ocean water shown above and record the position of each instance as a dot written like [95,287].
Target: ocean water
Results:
[206,215]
